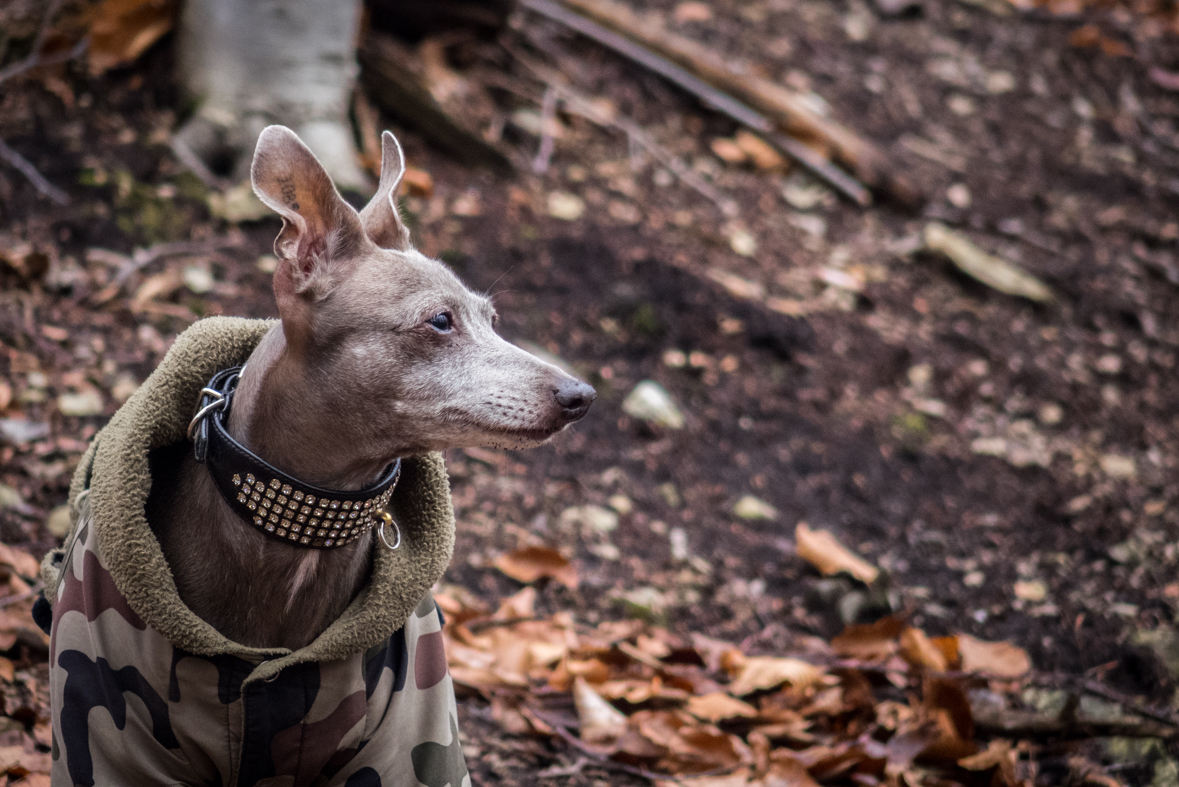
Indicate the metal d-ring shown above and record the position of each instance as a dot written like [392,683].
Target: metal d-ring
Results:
[387,519]
[218,403]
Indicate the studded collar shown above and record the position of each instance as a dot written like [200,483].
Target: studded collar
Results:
[280,505]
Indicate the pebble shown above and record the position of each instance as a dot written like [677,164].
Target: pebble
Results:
[198,279]
[589,520]
[1031,590]
[743,243]
[1109,364]
[565,206]
[20,430]
[961,105]
[59,524]
[1117,466]
[1050,414]
[650,402]
[9,497]
[621,503]
[82,403]
[802,193]
[958,195]
[678,539]
[753,508]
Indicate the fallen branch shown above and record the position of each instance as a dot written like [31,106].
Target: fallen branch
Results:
[395,88]
[635,134]
[10,156]
[864,159]
[35,59]
[789,109]
[22,165]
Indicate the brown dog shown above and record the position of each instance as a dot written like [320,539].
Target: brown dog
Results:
[381,353]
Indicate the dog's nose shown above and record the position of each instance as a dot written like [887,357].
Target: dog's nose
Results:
[574,397]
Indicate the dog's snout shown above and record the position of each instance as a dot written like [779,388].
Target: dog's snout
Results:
[574,397]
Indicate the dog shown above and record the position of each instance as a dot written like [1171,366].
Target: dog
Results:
[245,597]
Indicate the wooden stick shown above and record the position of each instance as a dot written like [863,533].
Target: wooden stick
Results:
[399,92]
[635,134]
[22,165]
[786,107]
[711,96]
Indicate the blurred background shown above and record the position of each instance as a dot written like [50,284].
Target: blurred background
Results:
[903,271]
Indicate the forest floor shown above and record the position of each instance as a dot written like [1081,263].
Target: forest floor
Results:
[1011,466]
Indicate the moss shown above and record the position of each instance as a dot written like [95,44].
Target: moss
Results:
[143,215]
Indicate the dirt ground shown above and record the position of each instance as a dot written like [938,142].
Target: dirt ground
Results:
[1012,466]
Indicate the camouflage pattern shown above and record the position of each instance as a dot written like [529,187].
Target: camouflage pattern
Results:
[131,709]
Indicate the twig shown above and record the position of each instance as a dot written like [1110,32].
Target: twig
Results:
[185,155]
[720,101]
[594,754]
[10,156]
[34,590]
[34,59]
[22,165]
[548,116]
[637,136]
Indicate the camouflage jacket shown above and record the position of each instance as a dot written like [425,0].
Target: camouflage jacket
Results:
[145,693]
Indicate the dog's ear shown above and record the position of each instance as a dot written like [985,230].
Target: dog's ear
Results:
[321,233]
[380,217]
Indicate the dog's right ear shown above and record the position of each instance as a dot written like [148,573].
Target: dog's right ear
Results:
[321,233]
[380,217]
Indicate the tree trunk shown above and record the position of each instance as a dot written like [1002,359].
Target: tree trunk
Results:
[250,63]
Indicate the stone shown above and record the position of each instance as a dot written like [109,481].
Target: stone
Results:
[565,206]
[81,403]
[650,402]
[59,524]
[753,508]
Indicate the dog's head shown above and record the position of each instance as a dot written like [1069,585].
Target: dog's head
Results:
[392,338]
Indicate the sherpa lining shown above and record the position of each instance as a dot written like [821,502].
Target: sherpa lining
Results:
[115,469]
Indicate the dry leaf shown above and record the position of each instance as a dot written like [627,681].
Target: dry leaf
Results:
[920,651]
[600,721]
[692,747]
[999,754]
[418,182]
[824,552]
[5,395]
[532,563]
[122,30]
[763,155]
[727,150]
[870,641]
[787,772]
[976,263]
[1001,659]
[769,672]
[157,287]
[718,706]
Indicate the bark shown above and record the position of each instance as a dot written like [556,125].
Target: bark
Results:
[250,63]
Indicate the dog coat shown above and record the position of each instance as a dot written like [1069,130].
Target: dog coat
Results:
[144,692]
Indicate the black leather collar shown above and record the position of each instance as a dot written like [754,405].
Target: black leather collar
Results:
[280,505]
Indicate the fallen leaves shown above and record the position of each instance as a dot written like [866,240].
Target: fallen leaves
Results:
[824,552]
[708,714]
[992,271]
[122,30]
[532,563]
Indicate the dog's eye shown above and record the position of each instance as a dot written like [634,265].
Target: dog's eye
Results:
[441,322]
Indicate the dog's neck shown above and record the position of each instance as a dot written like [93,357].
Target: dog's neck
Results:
[280,414]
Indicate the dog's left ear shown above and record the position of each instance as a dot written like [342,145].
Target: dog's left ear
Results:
[380,217]
[321,232]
